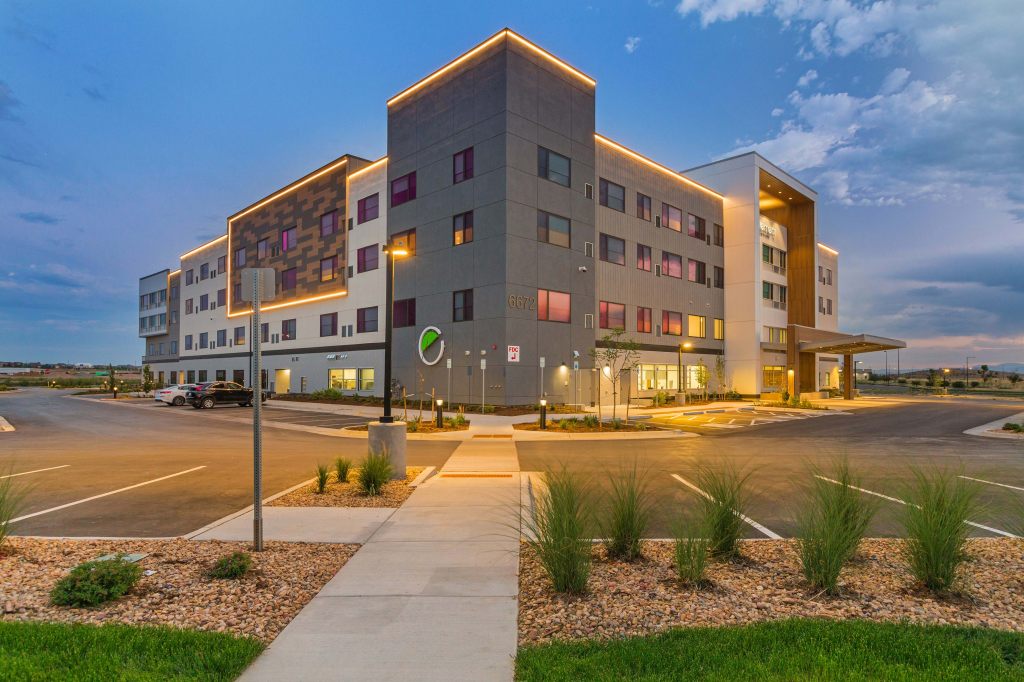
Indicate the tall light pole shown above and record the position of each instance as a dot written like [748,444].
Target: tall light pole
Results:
[391,252]
[680,377]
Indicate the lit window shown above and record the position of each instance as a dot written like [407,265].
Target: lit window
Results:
[405,240]
[553,229]
[403,189]
[366,378]
[554,306]
[462,228]
[697,326]
[342,379]
[462,165]
[671,217]
[612,315]
[643,207]
[554,167]
[612,250]
[613,196]
[462,305]
[643,320]
[367,258]
[368,208]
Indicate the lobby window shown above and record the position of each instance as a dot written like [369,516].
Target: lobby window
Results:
[366,320]
[462,228]
[554,167]
[553,229]
[643,320]
[671,217]
[612,250]
[719,329]
[190,276]
[188,306]
[328,223]
[366,378]
[368,208]
[222,297]
[342,379]
[643,207]
[643,257]
[367,257]
[329,324]
[612,315]
[404,313]
[239,336]
[405,240]
[222,338]
[719,280]
[719,235]
[289,238]
[328,268]
[204,302]
[671,265]
[657,377]
[204,340]
[262,248]
[462,305]
[671,323]
[403,189]
[697,326]
[697,271]
[288,330]
[289,279]
[462,165]
[696,227]
[773,376]
[240,258]
[613,196]
[204,271]
[554,306]
[188,342]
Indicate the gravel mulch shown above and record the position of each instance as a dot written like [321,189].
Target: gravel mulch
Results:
[349,494]
[285,576]
[766,584]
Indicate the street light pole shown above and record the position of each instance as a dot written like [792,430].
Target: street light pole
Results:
[390,253]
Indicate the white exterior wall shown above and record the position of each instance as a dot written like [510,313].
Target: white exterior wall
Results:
[202,320]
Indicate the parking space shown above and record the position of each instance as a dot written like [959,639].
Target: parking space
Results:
[326,420]
[719,421]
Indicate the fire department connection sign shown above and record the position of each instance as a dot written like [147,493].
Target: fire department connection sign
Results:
[513,353]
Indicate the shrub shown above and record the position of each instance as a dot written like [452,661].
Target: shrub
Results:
[231,566]
[959,384]
[901,380]
[322,475]
[627,515]
[616,424]
[691,552]
[412,426]
[590,421]
[342,467]
[374,473]
[830,524]
[558,531]
[1011,426]
[723,506]
[96,582]
[327,394]
[732,394]
[10,505]
[459,419]
[934,522]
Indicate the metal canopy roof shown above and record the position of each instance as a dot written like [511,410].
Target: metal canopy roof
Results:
[851,344]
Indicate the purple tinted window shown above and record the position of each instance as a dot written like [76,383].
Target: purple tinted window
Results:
[369,208]
[367,258]
[462,165]
[289,278]
[403,189]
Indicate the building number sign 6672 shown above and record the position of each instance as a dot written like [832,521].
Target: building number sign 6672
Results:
[522,302]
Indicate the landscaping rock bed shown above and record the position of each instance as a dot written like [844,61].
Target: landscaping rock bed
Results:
[766,583]
[174,589]
[349,494]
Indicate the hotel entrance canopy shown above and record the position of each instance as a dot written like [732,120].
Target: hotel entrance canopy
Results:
[805,342]
[851,344]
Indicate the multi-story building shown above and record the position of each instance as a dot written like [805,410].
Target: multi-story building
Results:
[530,238]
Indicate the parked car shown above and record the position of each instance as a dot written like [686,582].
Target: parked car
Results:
[174,395]
[219,393]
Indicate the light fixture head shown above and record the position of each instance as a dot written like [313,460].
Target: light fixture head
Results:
[440,402]
[543,402]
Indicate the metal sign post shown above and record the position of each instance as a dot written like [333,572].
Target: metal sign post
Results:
[449,363]
[483,384]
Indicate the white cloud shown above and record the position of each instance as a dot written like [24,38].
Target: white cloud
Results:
[895,81]
[777,111]
[711,11]
[632,43]
[807,78]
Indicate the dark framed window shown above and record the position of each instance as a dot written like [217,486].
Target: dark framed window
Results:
[554,306]
[190,276]
[404,313]
[697,271]
[403,189]
[366,320]
[240,257]
[289,278]
[612,249]
[643,207]
[553,229]
[696,227]
[289,238]
[222,297]
[288,329]
[204,302]
[719,235]
[612,195]
[222,261]
[188,306]
[238,376]
[766,290]
[204,271]
[328,269]
[262,248]
[367,258]
[671,265]
[237,293]
[328,223]
[462,305]
[643,320]
[643,257]
[329,324]
[671,323]
[612,315]
[188,342]
[222,338]
[671,217]
[265,332]
[202,376]
[368,208]
[719,280]
[239,336]
[554,167]
[462,228]
[204,340]
[462,165]
[405,240]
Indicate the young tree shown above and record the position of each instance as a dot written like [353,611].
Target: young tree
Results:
[703,376]
[147,379]
[618,354]
[985,375]
[1014,378]
[720,376]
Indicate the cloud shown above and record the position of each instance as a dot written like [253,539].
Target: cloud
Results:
[30,33]
[711,11]
[806,79]
[777,111]
[38,217]
[95,94]
[632,44]
[8,103]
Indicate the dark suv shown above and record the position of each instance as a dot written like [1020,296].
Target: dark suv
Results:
[221,392]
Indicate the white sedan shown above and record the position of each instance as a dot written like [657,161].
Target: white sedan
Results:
[173,395]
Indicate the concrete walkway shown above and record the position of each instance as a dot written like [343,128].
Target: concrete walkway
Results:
[432,595]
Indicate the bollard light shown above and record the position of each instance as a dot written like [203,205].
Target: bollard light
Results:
[440,413]
[543,413]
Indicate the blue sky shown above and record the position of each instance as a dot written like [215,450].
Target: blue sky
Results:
[129,131]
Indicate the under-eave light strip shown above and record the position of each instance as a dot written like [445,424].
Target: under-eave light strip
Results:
[483,46]
[654,164]
[828,248]
[288,304]
[206,245]
[365,169]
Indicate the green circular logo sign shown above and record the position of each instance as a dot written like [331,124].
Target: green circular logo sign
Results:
[431,346]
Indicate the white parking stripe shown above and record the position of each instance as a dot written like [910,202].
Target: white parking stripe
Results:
[899,501]
[1001,485]
[34,471]
[112,492]
[770,533]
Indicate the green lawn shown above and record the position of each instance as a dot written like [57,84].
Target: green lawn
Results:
[51,651]
[787,650]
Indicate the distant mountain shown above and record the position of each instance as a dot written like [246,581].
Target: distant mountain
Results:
[1008,367]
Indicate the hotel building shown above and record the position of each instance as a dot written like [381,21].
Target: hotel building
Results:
[530,238]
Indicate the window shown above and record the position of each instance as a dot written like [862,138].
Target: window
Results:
[782,293]
[239,259]
[766,254]
[554,167]
[462,228]
[368,208]
[697,271]
[204,302]
[828,306]
[554,306]
[188,306]
[366,320]
[262,248]
[719,235]
[265,332]
[697,326]
[222,338]
[719,329]
[696,227]
[774,335]
[204,340]
[174,350]
[328,223]
[202,376]
[190,376]
[404,313]
[288,330]
[612,315]
[828,276]
[613,250]
[643,257]
[238,376]
[236,295]
[643,320]
[766,290]
[342,379]
[405,240]
[222,264]
[719,278]
[773,376]
[671,217]
[289,238]
[204,271]
[671,265]
[188,342]
[821,274]
[222,297]
[553,229]
[289,279]
[657,377]
[671,323]
[329,324]
[239,336]
[366,378]
[612,195]
[403,189]
[462,165]
[189,277]
[462,305]
[643,207]
[366,258]
[328,268]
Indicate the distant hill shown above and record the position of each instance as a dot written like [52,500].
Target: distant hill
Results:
[1008,367]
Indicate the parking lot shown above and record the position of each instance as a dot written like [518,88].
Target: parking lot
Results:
[715,421]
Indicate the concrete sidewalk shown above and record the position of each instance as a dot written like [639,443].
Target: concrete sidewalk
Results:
[432,595]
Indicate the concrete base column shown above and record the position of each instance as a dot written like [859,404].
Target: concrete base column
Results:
[848,370]
[389,438]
